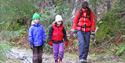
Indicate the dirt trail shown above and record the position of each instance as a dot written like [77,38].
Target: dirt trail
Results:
[22,55]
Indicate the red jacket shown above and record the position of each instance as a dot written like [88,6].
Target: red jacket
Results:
[84,23]
[57,33]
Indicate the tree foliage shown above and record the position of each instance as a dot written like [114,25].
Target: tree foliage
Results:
[13,11]
[109,25]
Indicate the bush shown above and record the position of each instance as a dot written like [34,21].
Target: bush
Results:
[120,50]
[13,11]
[110,25]
[4,47]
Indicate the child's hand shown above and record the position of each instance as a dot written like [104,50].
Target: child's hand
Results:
[93,35]
[72,30]
[31,46]
[66,43]
[50,43]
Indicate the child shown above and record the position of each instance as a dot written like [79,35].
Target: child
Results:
[57,35]
[37,38]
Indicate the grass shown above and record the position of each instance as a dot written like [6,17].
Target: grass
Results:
[4,47]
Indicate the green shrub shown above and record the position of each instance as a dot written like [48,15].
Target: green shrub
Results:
[4,47]
[110,25]
[13,11]
[120,50]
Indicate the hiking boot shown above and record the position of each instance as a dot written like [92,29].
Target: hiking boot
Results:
[59,61]
[56,61]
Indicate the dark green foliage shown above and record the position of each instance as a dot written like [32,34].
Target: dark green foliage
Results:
[59,8]
[110,24]
[13,12]
[4,47]
[120,50]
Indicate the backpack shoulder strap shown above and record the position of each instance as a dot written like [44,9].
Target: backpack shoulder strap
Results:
[89,12]
[81,12]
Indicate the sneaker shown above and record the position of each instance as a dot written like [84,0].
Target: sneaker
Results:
[83,61]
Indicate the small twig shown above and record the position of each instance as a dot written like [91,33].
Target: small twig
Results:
[104,44]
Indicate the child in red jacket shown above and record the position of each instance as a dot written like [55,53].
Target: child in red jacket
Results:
[57,37]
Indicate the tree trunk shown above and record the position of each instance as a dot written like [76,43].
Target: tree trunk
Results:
[108,4]
[75,6]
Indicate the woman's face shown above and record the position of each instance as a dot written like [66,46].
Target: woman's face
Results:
[84,5]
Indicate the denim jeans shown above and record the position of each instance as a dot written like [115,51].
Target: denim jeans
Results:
[84,41]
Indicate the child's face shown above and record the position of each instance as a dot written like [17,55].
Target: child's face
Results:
[59,22]
[37,21]
[32,23]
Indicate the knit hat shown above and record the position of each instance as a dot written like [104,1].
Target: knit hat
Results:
[84,0]
[58,18]
[36,16]
[84,4]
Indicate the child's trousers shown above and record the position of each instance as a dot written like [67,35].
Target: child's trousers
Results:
[58,51]
[37,54]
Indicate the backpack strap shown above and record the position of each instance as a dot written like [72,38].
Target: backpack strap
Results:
[81,12]
[89,12]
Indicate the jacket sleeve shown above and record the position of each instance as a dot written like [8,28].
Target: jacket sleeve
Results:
[75,20]
[92,17]
[50,33]
[65,35]
[44,34]
[30,35]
